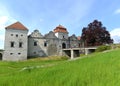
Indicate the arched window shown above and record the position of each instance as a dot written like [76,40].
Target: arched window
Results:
[63,45]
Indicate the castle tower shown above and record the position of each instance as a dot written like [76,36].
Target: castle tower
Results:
[15,42]
[61,32]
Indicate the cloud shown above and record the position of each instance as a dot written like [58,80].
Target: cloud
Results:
[115,35]
[117,11]
[5,20]
[2,37]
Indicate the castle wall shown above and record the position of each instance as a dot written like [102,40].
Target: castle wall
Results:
[19,46]
[74,42]
[50,44]
[38,49]
[15,51]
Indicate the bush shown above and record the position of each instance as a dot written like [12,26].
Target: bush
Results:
[103,48]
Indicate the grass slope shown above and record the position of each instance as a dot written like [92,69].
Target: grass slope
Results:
[100,69]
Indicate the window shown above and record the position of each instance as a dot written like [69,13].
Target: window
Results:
[34,52]
[21,35]
[63,37]
[63,45]
[11,53]
[11,34]
[35,43]
[45,44]
[19,53]
[12,44]
[16,35]
[20,44]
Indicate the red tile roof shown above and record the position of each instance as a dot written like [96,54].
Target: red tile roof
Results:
[79,38]
[17,26]
[60,28]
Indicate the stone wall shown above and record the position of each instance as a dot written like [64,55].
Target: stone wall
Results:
[49,44]
[15,52]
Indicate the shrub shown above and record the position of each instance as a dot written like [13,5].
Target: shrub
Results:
[103,48]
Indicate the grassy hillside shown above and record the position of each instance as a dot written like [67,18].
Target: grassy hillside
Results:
[100,69]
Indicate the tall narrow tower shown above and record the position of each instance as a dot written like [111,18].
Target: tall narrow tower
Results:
[15,42]
[61,32]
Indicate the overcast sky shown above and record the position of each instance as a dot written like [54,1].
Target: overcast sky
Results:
[45,15]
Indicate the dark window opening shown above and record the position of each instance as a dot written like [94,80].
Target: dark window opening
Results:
[0,56]
[12,44]
[11,34]
[21,35]
[16,35]
[34,52]
[45,44]
[19,53]
[11,53]
[35,43]
[63,37]
[63,45]
[20,44]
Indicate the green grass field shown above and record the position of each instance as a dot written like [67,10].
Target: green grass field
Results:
[98,69]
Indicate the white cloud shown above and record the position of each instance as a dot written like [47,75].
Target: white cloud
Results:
[115,35]
[5,20]
[117,11]
[2,37]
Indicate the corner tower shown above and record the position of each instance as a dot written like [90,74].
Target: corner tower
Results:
[15,42]
[61,32]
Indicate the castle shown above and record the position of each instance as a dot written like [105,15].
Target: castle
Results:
[19,46]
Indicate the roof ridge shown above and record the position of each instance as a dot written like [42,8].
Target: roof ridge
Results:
[60,28]
[17,25]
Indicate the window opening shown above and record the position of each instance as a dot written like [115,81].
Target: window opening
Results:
[16,35]
[12,44]
[20,44]
[45,44]
[35,43]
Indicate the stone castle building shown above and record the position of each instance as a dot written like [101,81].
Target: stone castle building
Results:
[16,45]
[19,46]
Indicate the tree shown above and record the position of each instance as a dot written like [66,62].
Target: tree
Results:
[95,34]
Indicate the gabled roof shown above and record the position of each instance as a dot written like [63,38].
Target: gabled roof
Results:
[50,35]
[17,26]
[60,28]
